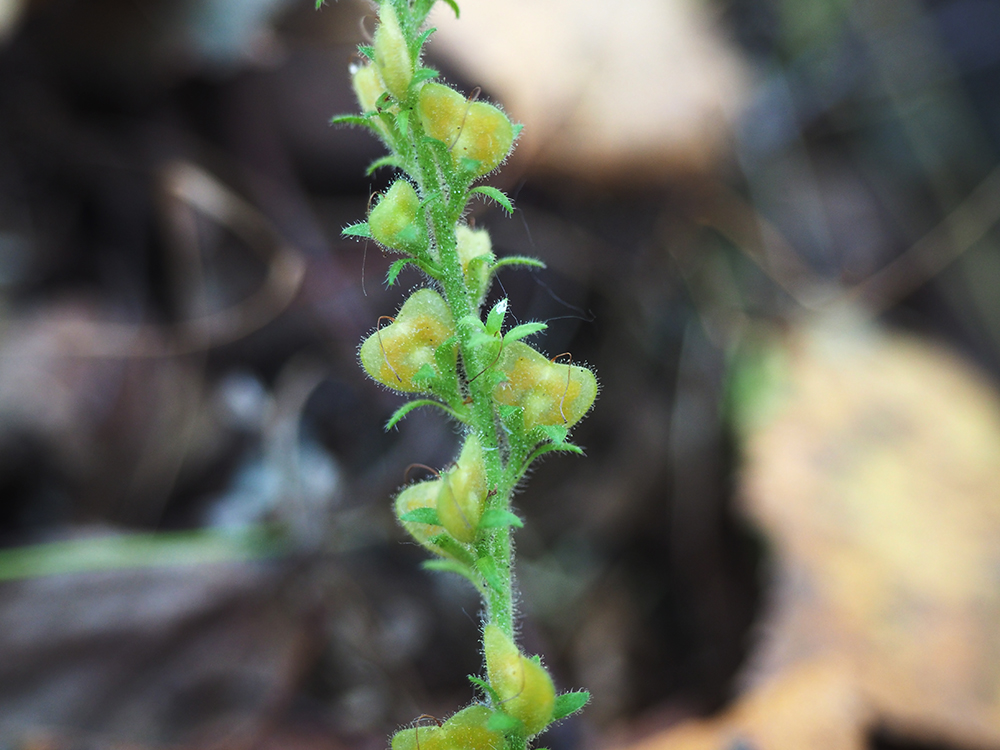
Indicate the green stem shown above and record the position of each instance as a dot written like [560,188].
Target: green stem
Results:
[497,545]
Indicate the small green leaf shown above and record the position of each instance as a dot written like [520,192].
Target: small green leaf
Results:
[422,40]
[469,167]
[422,515]
[361,229]
[552,448]
[444,355]
[454,6]
[358,120]
[518,260]
[472,323]
[394,269]
[491,192]
[488,569]
[494,321]
[319,4]
[485,687]
[421,8]
[459,551]
[496,518]
[518,127]
[481,339]
[556,433]
[524,330]
[507,412]
[424,74]
[367,51]
[569,703]
[424,376]
[451,566]
[406,408]
[504,723]
[386,161]
[494,378]
[403,122]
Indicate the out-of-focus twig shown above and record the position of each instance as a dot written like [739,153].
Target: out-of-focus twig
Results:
[187,188]
[726,212]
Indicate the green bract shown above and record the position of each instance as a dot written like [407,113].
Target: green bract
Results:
[513,403]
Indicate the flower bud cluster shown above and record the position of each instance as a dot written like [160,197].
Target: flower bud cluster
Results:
[515,403]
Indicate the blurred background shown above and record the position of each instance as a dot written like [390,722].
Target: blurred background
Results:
[769,226]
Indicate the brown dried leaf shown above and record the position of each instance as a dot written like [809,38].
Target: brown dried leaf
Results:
[876,477]
[603,90]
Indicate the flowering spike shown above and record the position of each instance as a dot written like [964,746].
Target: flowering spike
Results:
[516,404]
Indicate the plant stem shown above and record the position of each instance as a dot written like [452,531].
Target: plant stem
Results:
[497,545]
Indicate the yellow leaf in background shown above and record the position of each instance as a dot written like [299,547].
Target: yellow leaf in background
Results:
[604,90]
[10,12]
[874,472]
[811,707]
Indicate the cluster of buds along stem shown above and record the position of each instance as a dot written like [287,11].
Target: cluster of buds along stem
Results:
[515,403]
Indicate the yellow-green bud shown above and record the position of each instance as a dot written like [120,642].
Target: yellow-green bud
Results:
[472,130]
[419,738]
[394,222]
[487,137]
[416,497]
[475,252]
[392,58]
[468,730]
[394,354]
[525,689]
[463,492]
[368,87]
[550,393]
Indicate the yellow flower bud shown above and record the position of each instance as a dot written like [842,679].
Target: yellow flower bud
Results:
[525,689]
[486,137]
[475,251]
[463,492]
[468,730]
[394,354]
[472,130]
[441,110]
[550,393]
[368,87]
[419,738]
[394,220]
[392,58]
[416,497]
